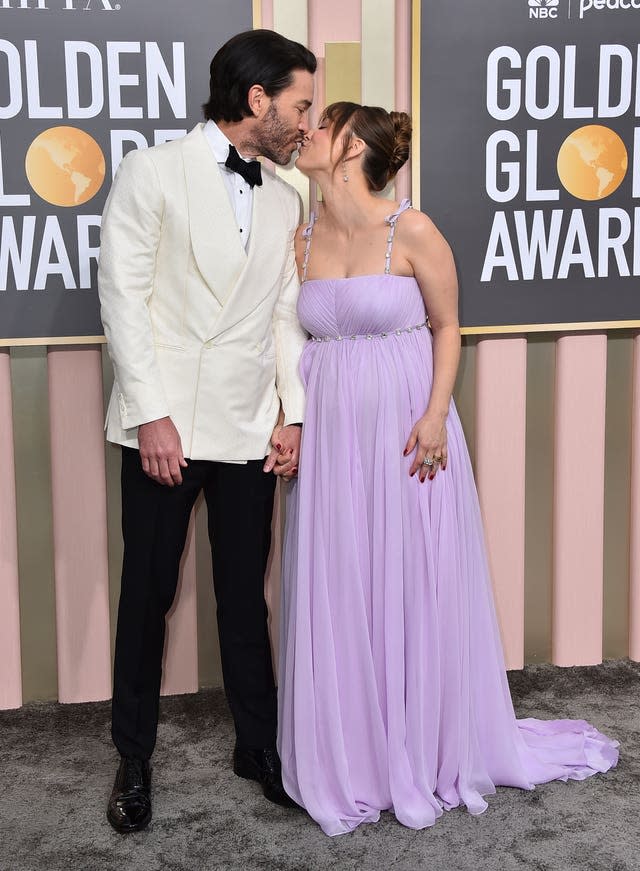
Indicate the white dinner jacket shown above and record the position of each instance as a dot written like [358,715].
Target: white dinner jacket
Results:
[198,328]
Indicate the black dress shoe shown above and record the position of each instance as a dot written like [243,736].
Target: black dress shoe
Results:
[264,766]
[129,808]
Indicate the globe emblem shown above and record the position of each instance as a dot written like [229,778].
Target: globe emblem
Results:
[592,162]
[65,166]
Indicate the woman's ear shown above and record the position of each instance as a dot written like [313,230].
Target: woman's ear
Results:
[356,147]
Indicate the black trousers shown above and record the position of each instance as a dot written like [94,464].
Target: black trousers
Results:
[155,520]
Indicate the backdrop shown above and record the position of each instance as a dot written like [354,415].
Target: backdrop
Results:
[81,83]
[530,157]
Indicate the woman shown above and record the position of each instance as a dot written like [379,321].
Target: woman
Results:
[393,692]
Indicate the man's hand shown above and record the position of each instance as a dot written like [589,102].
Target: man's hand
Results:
[285,452]
[161,451]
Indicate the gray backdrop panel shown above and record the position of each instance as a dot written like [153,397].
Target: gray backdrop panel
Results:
[456,40]
[203,25]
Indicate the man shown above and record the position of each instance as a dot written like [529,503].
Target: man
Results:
[198,290]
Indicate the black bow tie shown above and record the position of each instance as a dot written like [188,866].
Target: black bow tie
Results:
[250,171]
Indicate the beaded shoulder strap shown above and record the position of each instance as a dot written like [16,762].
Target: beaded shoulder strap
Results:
[307,233]
[391,221]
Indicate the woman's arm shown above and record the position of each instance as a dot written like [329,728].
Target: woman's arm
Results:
[432,262]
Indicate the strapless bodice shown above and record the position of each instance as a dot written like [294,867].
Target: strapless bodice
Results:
[362,305]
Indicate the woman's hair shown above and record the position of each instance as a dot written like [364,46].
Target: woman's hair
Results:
[387,136]
[256,57]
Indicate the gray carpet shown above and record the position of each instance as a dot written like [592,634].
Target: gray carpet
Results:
[57,766]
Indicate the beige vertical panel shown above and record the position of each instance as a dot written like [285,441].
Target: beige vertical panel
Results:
[209,666]
[403,83]
[180,664]
[272,586]
[290,18]
[501,386]
[33,501]
[541,357]
[581,367]
[342,72]
[617,474]
[634,568]
[10,665]
[378,53]
[76,414]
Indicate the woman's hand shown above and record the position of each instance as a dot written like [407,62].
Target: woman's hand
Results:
[429,440]
[285,451]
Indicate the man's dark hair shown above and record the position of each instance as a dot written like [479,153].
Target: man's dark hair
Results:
[257,57]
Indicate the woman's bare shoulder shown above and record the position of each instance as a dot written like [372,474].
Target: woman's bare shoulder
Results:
[417,229]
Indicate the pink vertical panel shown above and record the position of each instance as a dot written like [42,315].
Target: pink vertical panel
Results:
[267,14]
[403,83]
[501,387]
[10,663]
[79,524]
[578,521]
[333,21]
[634,594]
[180,664]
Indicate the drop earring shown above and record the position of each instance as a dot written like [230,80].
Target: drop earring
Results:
[345,176]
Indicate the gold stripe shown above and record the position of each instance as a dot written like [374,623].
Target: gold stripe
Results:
[415,102]
[257,14]
[551,328]
[53,340]
[343,71]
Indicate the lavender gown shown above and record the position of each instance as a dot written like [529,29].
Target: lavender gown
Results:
[393,692]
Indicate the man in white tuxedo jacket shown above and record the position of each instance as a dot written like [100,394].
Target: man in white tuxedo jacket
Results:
[198,289]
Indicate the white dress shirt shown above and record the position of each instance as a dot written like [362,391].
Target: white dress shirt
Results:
[240,193]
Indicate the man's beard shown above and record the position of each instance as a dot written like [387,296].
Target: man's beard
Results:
[273,140]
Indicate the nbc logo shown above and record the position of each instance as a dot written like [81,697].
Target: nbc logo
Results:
[543,8]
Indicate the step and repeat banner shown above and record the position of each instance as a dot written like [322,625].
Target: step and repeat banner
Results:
[81,83]
[529,157]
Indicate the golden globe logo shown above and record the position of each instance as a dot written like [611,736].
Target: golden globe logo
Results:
[65,166]
[592,162]
[543,8]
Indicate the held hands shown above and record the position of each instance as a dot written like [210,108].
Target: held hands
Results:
[429,440]
[285,451]
[161,451]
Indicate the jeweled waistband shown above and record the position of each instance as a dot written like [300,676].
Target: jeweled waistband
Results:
[371,335]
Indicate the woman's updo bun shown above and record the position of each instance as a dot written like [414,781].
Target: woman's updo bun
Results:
[402,129]
[387,136]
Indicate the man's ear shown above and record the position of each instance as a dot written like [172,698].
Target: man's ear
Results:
[256,99]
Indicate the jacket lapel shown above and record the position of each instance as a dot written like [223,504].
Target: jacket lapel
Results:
[215,239]
[267,246]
